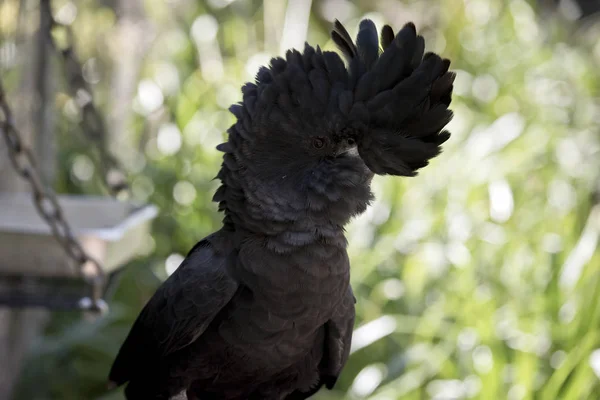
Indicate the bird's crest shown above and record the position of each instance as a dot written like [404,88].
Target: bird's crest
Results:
[390,92]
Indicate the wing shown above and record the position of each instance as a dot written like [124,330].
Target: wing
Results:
[178,313]
[338,337]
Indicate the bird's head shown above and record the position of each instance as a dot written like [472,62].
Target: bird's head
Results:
[311,130]
[293,150]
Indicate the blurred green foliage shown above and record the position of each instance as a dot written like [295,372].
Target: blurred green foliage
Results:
[480,278]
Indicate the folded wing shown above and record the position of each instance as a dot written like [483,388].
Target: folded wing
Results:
[177,314]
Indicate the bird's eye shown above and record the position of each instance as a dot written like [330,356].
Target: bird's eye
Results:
[350,141]
[318,143]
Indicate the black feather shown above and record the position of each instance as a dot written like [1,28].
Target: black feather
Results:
[394,63]
[251,312]
[343,45]
[387,35]
[367,43]
[342,33]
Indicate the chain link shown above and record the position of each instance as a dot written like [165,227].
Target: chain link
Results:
[46,203]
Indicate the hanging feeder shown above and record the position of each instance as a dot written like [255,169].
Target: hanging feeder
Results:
[35,271]
[62,252]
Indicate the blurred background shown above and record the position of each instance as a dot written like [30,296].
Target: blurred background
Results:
[479,278]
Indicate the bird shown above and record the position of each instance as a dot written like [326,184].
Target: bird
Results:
[263,308]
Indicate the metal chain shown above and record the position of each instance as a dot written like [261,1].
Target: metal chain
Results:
[92,123]
[46,203]
[24,163]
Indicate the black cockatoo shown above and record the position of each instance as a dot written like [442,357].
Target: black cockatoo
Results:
[263,308]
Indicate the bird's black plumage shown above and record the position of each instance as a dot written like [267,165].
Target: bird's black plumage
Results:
[263,308]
